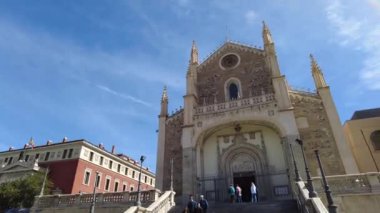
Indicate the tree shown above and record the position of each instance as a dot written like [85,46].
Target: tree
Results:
[21,192]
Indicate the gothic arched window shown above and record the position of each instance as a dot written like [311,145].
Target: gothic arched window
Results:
[234,91]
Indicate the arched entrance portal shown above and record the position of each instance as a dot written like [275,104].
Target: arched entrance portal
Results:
[231,155]
[243,171]
[243,164]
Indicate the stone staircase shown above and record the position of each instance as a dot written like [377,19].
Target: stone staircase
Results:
[285,206]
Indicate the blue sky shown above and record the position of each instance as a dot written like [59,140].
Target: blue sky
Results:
[95,69]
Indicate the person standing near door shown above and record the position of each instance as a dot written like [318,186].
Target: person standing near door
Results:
[231,193]
[253,193]
[203,203]
[238,194]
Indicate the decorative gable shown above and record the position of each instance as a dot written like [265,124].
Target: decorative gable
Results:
[234,71]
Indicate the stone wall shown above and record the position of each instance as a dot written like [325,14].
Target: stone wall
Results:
[316,132]
[173,149]
[254,76]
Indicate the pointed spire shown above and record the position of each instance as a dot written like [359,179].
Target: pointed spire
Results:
[194,54]
[267,37]
[164,95]
[164,103]
[316,71]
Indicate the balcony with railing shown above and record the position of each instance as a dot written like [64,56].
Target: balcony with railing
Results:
[235,104]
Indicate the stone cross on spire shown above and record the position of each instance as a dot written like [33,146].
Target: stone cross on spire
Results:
[319,80]
[194,54]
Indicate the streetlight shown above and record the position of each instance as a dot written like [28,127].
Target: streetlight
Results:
[92,208]
[332,208]
[44,182]
[138,203]
[298,178]
[310,186]
[171,174]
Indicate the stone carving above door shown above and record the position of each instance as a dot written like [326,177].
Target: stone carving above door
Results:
[253,138]
[243,163]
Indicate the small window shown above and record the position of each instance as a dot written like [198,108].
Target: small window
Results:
[116,186]
[124,187]
[26,158]
[47,156]
[87,177]
[70,153]
[151,181]
[91,156]
[101,160]
[131,189]
[110,164]
[375,138]
[6,160]
[64,154]
[37,156]
[108,181]
[98,178]
[118,167]
[145,179]
[133,174]
[126,171]
[10,160]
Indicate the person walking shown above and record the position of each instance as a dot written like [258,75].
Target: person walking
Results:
[238,193]
[203,203]
[253,193]
[231,193]
[191,205]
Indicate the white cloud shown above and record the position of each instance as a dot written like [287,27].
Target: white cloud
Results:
[124,96]
[347,27]
[250,17]
[361,33]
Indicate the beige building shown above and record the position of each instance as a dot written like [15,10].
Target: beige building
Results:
[239,119]
[363,135]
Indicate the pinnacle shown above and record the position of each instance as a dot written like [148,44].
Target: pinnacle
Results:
[314,65]
[164,94]
[194,54]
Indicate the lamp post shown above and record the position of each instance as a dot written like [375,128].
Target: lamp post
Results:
[298,178]
[332,208]
[44,182]
[171,174]
[92,208]
[310,186]
[138,203]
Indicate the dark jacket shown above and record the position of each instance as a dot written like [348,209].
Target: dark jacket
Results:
[192,205]
[203,203]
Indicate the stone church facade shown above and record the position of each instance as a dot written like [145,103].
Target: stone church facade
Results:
[239,120]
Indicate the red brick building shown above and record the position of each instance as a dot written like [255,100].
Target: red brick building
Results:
[73,166]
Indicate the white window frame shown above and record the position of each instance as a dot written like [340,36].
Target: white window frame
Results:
[118,185]
[126,186]
[100,180]
[105,183]
[89,177]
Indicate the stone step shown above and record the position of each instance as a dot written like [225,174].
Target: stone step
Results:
[287,206]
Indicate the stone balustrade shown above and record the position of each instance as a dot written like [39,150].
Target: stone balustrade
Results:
[102,199]
[305,203]
[162,205]
[350,184]
[235,104]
